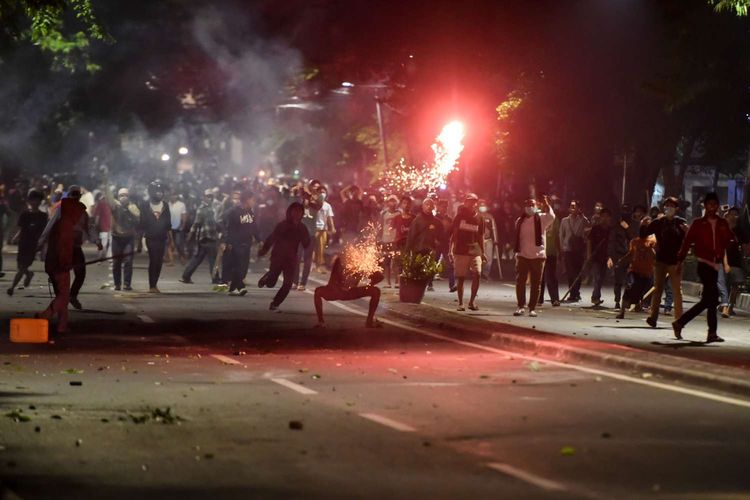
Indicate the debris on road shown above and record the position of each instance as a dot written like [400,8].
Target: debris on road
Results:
[18,416]
[295,425]
[76,383]
[72,371]
[567,451]
[157,415]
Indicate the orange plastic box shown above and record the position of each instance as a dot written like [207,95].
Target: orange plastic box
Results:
[29,331]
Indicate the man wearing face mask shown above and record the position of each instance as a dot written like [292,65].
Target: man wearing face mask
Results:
[425,233]
[156,222]
[205,233]
[490,239]
[530,252]
[125,218]
[710,236]
[466,250]
[669,230]
[621,235]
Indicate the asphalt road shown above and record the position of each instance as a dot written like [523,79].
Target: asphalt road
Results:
[261,405]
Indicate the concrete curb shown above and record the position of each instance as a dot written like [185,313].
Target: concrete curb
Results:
[642,363]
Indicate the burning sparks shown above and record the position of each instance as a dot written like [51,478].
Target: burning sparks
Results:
[362,257]
[447,148]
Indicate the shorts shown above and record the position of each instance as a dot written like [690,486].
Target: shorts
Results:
[462,264]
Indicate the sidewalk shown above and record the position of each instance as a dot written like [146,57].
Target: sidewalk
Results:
[581,333]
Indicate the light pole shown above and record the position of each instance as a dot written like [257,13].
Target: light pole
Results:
[381,128]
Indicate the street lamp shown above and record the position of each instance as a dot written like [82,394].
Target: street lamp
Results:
[165,157]
[183,150]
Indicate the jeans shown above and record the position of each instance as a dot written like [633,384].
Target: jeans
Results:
[621,279]
[306,256]
[156,248]
[549,278]
[573,265]
[106,239]
[448,270]
[661,271]
[122,245]
[79,271]
[525,268]
[709,299]
[205,249]
[238,262]
[277,268]
[598,273]
[723,287]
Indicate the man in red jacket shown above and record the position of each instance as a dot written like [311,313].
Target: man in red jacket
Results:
[711,236]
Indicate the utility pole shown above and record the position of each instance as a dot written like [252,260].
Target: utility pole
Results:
[381,128]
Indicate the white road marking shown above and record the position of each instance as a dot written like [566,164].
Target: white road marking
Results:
[146,319]
[129,307]
[393,424]
[545,484]
[225,359]
[593,371]
[295,387]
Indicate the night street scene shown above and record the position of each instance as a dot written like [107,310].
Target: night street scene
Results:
[323,249]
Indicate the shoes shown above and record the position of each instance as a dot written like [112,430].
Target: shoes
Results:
[373,324]
[532,314]
[28,279]
[712,337]
[263,281]
[519,312]
[242,292]
[430,288]
[597,302]
[651,322]
[453,289]
[273,307]
[76,303]
[153,289]
[473,307]
[460,308]
[234,293]
[117,288]
[555,303]
[128,288]
[10,292]
[20,287]
[617,305]
[186,281]
[301,288]
[677,328]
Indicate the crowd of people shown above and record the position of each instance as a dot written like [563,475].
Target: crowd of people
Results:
[227,223]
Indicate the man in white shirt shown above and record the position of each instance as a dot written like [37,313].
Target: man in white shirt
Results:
[323,226]
[530,252]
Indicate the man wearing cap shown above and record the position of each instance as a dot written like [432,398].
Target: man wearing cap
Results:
[205,232]
[710,236]
[466,249]
[530,252]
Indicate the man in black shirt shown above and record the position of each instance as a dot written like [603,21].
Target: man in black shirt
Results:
[669,230]
[285,239]
[31,223]
[598,247]
[156,222]
[241,227]
[732,266]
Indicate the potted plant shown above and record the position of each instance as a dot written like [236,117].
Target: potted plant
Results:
[416,271]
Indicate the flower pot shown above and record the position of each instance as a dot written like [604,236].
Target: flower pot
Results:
[411,291]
